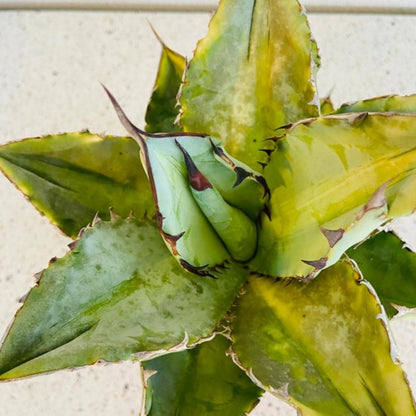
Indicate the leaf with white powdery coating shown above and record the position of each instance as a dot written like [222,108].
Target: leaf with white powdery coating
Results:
[321,345]
[118,295]
[251,75]
[71,177]
[390,268]
[317,211]
[201,381]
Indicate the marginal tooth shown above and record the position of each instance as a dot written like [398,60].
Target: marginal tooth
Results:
[266,210]
[95,220]
[221,154]
[317,264]
[261,180]
[199,270]
[286,126]
[241,175]
[37,276]
[356,119]
[113,215]
[72,244]
[196,179]
[172,240]
[333,236]
[148,373]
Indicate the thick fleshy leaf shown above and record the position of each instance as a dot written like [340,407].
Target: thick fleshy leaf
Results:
[183,169]
[390,268]
[72,177]
[202,381]
[117,295]
[207,202]
[393,103]
[250,75]
[333,181]
[322,345]
[162,110]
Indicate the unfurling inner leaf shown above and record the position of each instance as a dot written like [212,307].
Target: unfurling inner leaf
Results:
[207,203]
[237,231]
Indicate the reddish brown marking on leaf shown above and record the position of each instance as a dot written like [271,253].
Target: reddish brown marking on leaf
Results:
[221,154]
[333,236]
[357,119]
[159,219]
[317,264]
[172,240]
[72,244]
[196,179]
[377,200]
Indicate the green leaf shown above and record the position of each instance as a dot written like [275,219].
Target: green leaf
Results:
[162,109]
[390,268]
[250,75]
[72,177]
[201,381]
[393,103]
[186,214]
[334,180]
[322,345]
[118,295]
[326,106]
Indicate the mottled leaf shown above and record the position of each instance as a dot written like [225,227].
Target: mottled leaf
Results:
[393,103]
[162,109]
[322,345]
[117,295]
[333,181]
[72,177]
[202,381]
[252,73]
[390,268]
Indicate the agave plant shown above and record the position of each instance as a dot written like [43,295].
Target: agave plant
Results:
[235,247]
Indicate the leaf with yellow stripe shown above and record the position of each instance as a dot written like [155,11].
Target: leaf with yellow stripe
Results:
[250,75]
[334,180]
[323,345]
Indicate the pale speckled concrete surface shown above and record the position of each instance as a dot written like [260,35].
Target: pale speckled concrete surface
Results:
[51,65]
